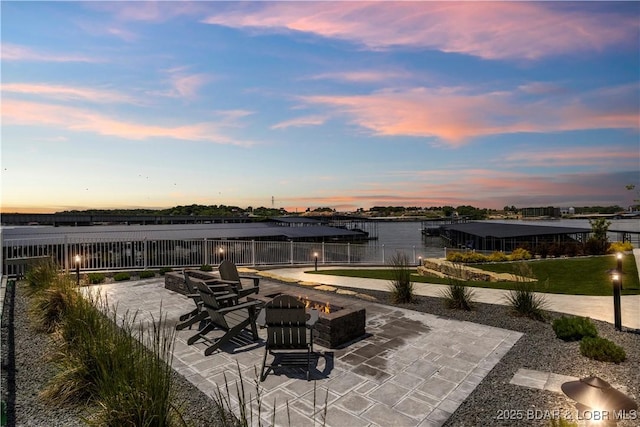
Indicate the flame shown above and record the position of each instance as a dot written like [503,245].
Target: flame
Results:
[323,308]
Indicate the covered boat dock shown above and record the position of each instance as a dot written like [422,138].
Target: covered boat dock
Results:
[494,236]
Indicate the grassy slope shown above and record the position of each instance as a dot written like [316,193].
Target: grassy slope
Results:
[579,276]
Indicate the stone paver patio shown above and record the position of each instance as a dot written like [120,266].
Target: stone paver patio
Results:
[410,369]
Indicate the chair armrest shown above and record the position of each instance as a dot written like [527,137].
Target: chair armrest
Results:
[247,291]
[248,304]
[256,279]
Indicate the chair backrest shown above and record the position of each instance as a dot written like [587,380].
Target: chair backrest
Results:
[211,304]
[286,318]
[191,287]
[229,271]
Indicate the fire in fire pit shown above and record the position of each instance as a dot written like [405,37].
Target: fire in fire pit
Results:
[320,306]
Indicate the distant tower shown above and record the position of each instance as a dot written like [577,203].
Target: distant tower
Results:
[273,203]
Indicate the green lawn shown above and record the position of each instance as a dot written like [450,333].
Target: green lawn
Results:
[577,276]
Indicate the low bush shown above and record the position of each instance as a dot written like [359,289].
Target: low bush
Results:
[574,328]
[498,256]
[519,254]
[401,285]
[595,246]
[454,256]
[120,277]
[95,278]
[620,247]
[602,349]
[206,267]
[147,274]
[165,270]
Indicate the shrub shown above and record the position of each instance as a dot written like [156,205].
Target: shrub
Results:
[474,257]
[95,278]
[165,270]
[543,250]
[206,267]
[497,256]
[602,349]
[455,256]
[147,274]
[457,295]
[571,249]
[401,286]
[595,246]
[620,247]
[574,328]
[523,299]
[519,254]
[120,277]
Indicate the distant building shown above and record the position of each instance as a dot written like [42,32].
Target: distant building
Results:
[568,211]
[542,212]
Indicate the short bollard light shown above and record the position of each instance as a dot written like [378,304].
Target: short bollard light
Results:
[77,260]
[221,253]
[315,257]
[420,261]
[597,402]
[619,265]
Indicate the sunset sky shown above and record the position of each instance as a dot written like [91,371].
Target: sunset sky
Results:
[319,104]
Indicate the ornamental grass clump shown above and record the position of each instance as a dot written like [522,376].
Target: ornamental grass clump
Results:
[457,295]
[50,305]
[574,328]
[40,275]
[523,299]
[401,285]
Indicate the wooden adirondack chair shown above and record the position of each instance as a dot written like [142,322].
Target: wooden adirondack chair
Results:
[229,273]
[226,313]
[198,314]
[287,330]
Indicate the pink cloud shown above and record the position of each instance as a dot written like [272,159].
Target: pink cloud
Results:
[74,119]
[456,115]
[12,52]
[491,30]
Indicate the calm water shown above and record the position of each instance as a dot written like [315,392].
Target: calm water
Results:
[408,236]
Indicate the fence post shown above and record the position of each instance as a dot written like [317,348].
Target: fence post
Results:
[291,252]
[145,252]
[205,251]
[348,253]
[445,252]
[66,253]
[323,251]
[383,253]
[253,253]
[414,254]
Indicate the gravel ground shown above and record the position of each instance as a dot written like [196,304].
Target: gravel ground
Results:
[538,349]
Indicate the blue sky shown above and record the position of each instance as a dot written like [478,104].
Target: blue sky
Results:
[319,104]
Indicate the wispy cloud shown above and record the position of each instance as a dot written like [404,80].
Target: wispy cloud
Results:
[491,30]
[13,52]
[16,112]
[608,156]
[183,84]
[300,122]
[363,76]
[456,114]
[67,92]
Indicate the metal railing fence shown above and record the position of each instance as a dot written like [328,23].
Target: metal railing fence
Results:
[141,254]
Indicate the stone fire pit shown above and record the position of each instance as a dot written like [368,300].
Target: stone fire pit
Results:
[336,325]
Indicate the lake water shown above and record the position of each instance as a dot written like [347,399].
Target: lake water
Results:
[407,235]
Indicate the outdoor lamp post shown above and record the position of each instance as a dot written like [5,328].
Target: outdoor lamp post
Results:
[597,402]
[221,253]
[420,261]
[617,316]
[315,256]
[77,260]
[619,265]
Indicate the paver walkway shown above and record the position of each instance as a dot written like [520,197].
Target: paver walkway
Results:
[411,369]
